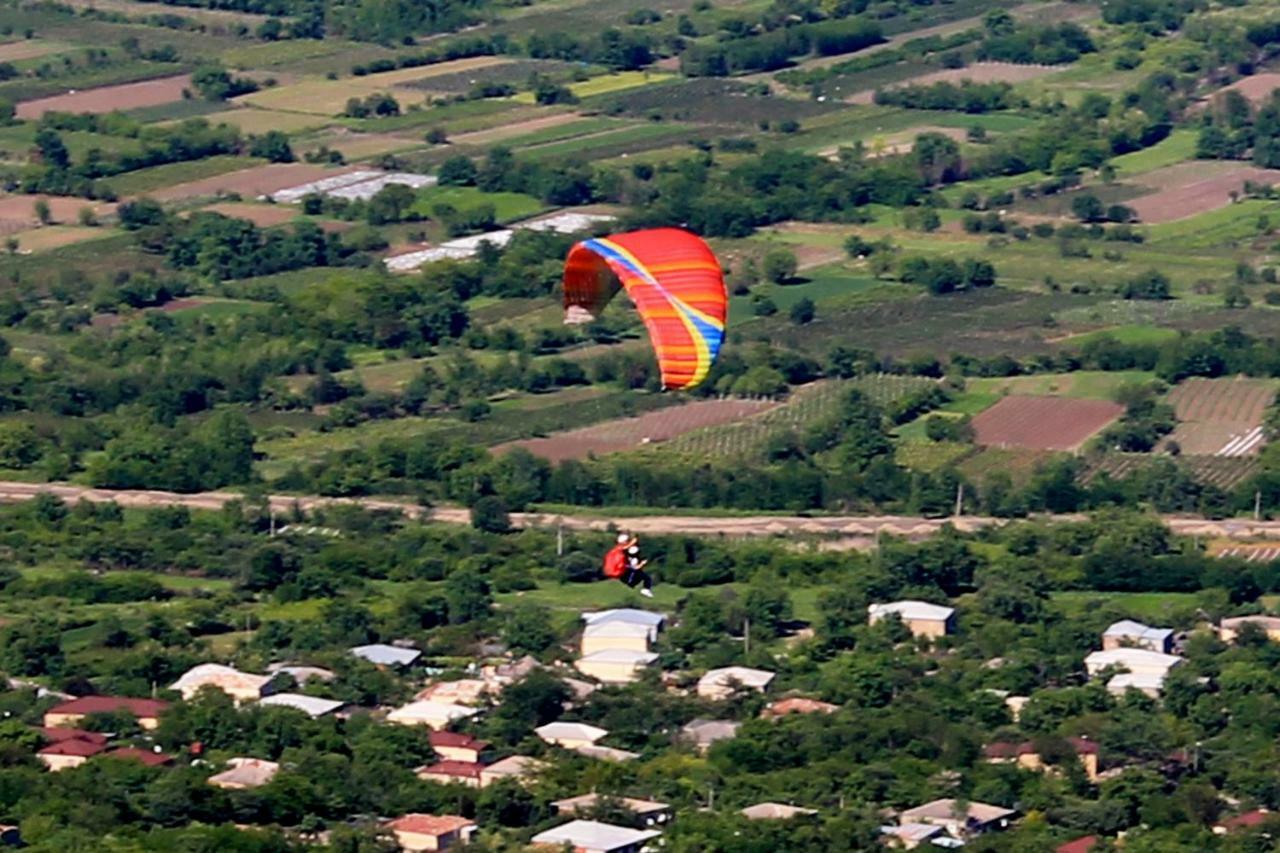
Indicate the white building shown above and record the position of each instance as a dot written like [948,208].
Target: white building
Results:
[240,686]
[1131,634]
[312,706]
[589,836]
[921,618]
[721,683]
[435,715]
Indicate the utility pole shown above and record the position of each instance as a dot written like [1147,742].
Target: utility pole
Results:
[560,540]
[959,499]
[746,636]
[272,513]
[1257,505]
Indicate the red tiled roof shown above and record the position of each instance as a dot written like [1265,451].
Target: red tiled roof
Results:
[73,746]
[109,704]
[426,824]
[151,759]
[801,705]
[1080,845]
[58,734]
[454,739]
[1246,820]
[1005,749]
[461,769]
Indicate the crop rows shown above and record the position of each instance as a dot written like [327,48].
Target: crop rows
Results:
[1224,472]
[806,406]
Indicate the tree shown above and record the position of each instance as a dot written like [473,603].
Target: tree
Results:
[53,152]
[42,211]
[390,204]
[779,265]
[273,146]
[1088,208]
[489,514]
[215,83]
[803,312]
[468,595]
[527,629]
[457,171]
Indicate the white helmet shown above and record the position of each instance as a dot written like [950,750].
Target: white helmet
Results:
[624,538]
[633,550]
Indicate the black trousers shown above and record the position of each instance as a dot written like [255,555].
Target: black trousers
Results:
[635,577]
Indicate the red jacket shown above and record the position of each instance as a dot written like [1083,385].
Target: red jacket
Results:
[615,562]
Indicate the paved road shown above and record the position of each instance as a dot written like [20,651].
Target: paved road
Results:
[842,531]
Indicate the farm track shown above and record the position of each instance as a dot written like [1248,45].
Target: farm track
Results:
[852,531]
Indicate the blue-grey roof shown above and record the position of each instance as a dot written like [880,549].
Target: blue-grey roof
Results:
[381,654]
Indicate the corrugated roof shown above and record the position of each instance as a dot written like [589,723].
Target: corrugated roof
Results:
[312,706]
[426,824]
[911,609]
[381,654]
[594,836]
[553,732]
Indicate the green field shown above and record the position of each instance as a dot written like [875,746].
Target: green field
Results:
[1155,607]
[158,177]
[1091,384]
[507,206]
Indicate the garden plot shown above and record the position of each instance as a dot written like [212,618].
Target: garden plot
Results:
[15,51]
[258,181]
[565,222]
[1221,417]
[511,130]
[126,96]
[1043,423]
[18,212]
[978,72]
[716,101]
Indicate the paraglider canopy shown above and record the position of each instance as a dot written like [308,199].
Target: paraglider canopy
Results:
[675,282]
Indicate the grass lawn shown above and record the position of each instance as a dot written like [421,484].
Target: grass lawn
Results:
[215,309]
[158,177]
[1133,333]
[1152,606]
[255,121]
[507,206]
[1223,226]
[606,84]
[1178,146]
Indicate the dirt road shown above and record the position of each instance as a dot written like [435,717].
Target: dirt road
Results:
[852,531]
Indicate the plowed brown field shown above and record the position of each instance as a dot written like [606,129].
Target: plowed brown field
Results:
[1043,423]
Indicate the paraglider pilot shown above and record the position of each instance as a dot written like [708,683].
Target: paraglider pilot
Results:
[623,562]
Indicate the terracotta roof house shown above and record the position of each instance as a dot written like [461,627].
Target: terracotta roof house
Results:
[244,773]
[797,705]
[1244,820]
[420,832]
[383,655]
[589,836]
[519,767]
[57,734]
[1078,845]
[1229,629]
[449,772]
[71,752]
[703,733]
[570,735]
[1026,756]
[147,711]
[976,818]
[909,836]
[457,747]
[240,686]
[775,811]
[921,618]
[721,683]
[312,706]
[1131,634]
[144,756]
[649,811]
[436,715]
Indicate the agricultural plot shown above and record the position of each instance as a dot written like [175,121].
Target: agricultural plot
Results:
[357,146]
[1088,384]
[260,180]
[636,433]
[979,72]
[1190,188]
[126,96]
[506,206]
[714,101]
[253,121]
[147,180]
[511,130]
[1017,463]
[1251,553]
[1256,88]
[607,84]
[1223,472]
[225,21]
[17,213]
[1043,423]
[48,238]
[515,72]
[16,51]
[1221,417]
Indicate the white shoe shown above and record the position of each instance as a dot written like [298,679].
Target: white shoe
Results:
[647,593]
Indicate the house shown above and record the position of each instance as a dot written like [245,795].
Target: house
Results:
[150,758]
[418,832]
[1246,820]
[957,818]
[240,686]
[1026,755]
[146,711]
[1229,628]
[1078,845]
[703,733]
[615,634]
[615,666]
[797,705]
[653,621]
[649,811]
[1140,669]
[775,811]
[909,836]
[457,747]
[921,618]
[498,676]
[605,753]
[424,712]
[464,691]
[301,673]
[722,683]
[522,768]
[71,752]
[570,735]
[382,656]
[1130,634]
[244,773]
[58,734]
[1148,684]
[450,772]
[312,706]
[589,836]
